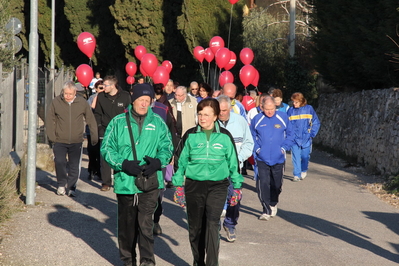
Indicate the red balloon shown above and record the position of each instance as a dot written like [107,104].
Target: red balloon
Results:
[232,62]
[161,75]
[248,102]
[216,43]
[226,77]
[142,71]
[168,65]
[255,82]
[209,55]
[85,74]
[246,56]
[247,74]
[130,80]
[199,53]
[222,57]
[233,1]
[87,43]
[131,68]
[140,51]
[149,63]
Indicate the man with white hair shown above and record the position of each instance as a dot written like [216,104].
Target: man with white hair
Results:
[184,109]
[230,90]
[239,129]
[273,136]
[65,128]
[194,89]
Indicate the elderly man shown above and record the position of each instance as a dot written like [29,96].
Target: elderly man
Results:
[111,102]
[184,109]
[230,90]
[65,127]
[273,136]
[153,150]
[194,89]
[239,129]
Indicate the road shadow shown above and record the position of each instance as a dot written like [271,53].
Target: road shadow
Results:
[89,229]
[327,228]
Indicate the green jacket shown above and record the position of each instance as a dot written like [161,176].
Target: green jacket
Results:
[203,160]
[154,141]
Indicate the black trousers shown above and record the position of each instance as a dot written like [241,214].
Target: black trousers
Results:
[94,156]
[269,184]
[135,225]
[74,153]
[205,201]
[105,171]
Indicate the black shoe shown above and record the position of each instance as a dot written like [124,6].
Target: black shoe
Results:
[157,230]
[147,263]
[91,175]
[169,184]
[244,171]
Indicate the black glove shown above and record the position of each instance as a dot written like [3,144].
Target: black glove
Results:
[131,167]
[152,166]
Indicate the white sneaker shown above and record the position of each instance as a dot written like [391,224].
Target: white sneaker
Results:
[274,210]
[264,217]
[223,214]
[61,191]
[303,175]
[296,179]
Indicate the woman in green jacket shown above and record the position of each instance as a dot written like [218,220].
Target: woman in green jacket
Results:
[206,158]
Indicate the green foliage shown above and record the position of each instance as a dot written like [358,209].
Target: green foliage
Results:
[265,32]
[392,185]
[6,38]
[352,47]
[298,79]
[9,200]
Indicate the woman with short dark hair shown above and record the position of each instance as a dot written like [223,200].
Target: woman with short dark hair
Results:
[205,91]
[206,158]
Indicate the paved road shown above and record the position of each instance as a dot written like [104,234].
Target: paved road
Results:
[327,219]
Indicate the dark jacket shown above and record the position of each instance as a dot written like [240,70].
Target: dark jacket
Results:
[65,123]
[106,108]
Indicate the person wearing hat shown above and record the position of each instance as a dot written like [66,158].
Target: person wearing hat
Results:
[111,102]
[154,149]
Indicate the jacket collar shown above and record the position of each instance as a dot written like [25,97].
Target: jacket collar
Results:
[216,127]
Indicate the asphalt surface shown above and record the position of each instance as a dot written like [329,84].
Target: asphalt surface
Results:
[326,219]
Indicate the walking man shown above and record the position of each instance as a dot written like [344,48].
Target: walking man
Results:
[273,136]
[239,129]
[110,103]
[65,128]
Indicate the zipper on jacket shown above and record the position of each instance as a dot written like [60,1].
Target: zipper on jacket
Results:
[70,122]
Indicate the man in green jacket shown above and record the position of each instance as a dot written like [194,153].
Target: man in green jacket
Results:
[65,128]
[154,148]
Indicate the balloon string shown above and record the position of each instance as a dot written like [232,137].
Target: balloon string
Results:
[220,71]
[214,78]
[209,67]
[202,72]
[231,18]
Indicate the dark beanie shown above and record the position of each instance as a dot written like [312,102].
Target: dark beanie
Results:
[142,90]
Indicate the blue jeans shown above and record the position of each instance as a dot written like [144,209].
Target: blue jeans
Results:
[300,159]
[232,212]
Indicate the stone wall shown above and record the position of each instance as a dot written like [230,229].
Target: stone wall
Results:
[364,126]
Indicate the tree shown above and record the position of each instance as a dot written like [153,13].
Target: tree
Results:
[7,54]
[352,47]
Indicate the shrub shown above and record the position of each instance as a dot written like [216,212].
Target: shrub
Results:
[9,200]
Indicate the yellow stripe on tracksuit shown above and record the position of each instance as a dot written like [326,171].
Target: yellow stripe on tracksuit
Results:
[297,117]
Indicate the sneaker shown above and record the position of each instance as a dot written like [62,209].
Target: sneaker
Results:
[264,217]
[147,263]
[223,214]
[105,188]
[72,193]
[169,184]
[157,230]
[274,211]
[91,175]
[231,234]
[303,175]
[61,191]
[296,179]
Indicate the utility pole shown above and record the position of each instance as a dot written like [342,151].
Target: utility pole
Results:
[291,38]
[32,118]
